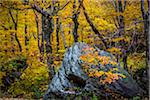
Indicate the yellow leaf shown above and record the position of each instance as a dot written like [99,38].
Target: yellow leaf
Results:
[113,63]
[99,74]
[83,57]
[91,74]
[91,60]
[61,51]
[115,69]
[123,76]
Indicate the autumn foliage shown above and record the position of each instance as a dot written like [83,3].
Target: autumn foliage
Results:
[38,33]
[92,58]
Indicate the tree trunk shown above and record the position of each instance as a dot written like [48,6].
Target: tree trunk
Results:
[15,27]
[120,8]
[48,30]
[145,15]
[75,21]
[42,41]
[12,41]
[16,38]
[125,66]
[121,18]
[149,31]
[63,35]
[38,32]
[26,33]
[57,32]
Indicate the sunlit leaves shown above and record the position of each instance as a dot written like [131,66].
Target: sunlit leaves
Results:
[112,77]
[91,58]
[99,73]
[115,50]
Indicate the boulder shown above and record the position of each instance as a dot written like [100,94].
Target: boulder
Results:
[88,69]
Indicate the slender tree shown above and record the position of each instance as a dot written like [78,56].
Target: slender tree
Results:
[120,6]
[146,21]
[26,26]
[47,29]
[38,30]
[15,22]
[57,32]
[63,35]
[75,21]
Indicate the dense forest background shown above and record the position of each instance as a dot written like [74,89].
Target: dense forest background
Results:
[34,35]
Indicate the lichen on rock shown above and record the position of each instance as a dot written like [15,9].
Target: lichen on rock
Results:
[85,68]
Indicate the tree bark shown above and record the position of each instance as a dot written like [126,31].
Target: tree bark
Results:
[26,31]
[42,41]
[120,8]
[146,21]
[57,32]
[149,31]
[63,35]
[47,31]
[37,28]
[121,18]
[75,21]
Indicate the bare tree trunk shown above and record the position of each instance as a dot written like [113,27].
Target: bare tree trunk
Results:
[75,21]
[120,8]
[48,30]
[38,32]
[145,15]
[63,35]
[125,62]
[26,33]
[16,38]
[149,31]
[121,18]
[42,42]
[15,27]
[57,32]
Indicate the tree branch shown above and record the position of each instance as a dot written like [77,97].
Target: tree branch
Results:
[43,12]
[142,9]
[148,1]
[81,3]
[125,2]
[17,17]
[11,16]
[115,5]
[64,6]
[93,27]
[61,8]
[132,42]
[14,8]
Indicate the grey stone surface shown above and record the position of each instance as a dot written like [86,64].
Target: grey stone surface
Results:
[71,69]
